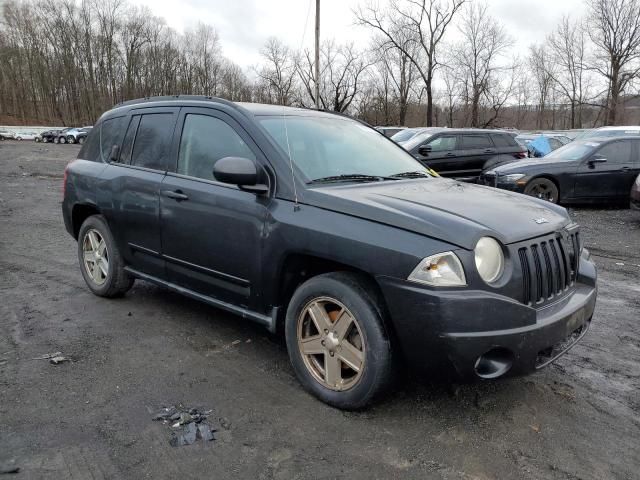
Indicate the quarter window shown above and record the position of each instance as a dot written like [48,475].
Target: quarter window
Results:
[205,140]
[110,135]
[443,144]
[153,140]
[476,141]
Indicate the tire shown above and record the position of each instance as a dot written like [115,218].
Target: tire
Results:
[19,139]
[116,281]
[56,140]
[37,139]
[71,139]
[81,141]
[363,339]
[543,188]
[62,140]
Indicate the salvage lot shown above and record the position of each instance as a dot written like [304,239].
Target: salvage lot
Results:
[91,416]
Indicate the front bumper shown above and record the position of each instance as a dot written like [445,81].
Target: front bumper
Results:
[477,334]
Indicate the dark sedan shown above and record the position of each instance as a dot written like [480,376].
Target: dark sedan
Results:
[585,171]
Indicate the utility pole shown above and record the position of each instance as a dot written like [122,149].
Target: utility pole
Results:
[318,54]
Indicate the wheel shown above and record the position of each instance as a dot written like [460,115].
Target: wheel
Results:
[81,140]
[336,340]
[71,139]
[37,139]
[543,188]
[56,140]
[19,139]
[62,139]
[100,261]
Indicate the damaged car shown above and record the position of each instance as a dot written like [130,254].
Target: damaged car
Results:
[317,227]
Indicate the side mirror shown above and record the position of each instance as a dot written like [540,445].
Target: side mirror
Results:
[239,171]
[596,159]
[424,150]
[115,152]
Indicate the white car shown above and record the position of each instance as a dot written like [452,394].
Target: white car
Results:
[25,136]
[632,130]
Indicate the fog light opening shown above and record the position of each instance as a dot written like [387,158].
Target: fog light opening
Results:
[494,363]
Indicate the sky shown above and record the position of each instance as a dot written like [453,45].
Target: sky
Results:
[245,25]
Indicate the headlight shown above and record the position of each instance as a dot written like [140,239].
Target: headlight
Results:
[489,259]
[440,270]
[512,177]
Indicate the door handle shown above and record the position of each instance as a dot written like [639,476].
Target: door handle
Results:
[625,169]
[176,195]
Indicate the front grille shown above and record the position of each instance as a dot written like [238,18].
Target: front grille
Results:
[549,267]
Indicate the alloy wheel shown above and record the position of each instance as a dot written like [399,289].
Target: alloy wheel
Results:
[542,191]
[331,343]
[95,256]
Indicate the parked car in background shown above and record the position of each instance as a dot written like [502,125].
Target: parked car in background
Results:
[602,132]
[313,225]
[463,153]
[635,194]
[555,141]
[25,136]
[585,171]
[7,135]
[408,133]
[390,131]
[62,135]
[72,134]
[49,136]
[82,135]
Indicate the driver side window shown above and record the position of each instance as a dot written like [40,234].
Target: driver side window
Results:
[204,141]
[443,144]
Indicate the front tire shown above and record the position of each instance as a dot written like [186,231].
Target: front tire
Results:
[62,140]
[71,139]
[81,141]
[544,189]
[100,261]
[336,340]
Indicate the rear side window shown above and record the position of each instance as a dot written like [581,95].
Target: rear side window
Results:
[503,140]
[153,141]
[616,152]
[444,143]
[476,141]
[204,141]
[111,132]
[91,148]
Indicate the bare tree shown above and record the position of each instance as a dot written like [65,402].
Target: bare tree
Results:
[614,29]
[278,72]
[424,22]
[481,61]
[542,69]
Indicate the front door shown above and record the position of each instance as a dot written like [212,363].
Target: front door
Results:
[212,231]
[601,175]
[476,149]
[443,154]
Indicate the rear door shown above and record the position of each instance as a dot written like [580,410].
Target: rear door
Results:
[476,149]
[605,180]
[134,191]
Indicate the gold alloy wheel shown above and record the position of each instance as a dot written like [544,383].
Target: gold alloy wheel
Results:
[95,256]
[331,343]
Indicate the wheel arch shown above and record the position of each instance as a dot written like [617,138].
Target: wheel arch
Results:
[79,214]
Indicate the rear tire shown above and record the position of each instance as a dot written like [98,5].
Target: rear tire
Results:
[71,140]
[349,363]
[100,261]
[81,141]
[544,189]
[62,140]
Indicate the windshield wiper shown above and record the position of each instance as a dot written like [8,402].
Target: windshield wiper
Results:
[358,177]
[416,174]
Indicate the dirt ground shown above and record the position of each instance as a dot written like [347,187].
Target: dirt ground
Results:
[90,418]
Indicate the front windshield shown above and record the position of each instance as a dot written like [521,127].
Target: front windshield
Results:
[404,135]
[324,147]
[573,151]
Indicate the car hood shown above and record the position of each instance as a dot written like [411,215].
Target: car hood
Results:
[447,210]
[529,163]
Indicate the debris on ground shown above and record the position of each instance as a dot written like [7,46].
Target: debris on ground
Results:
[58,359]
[192,422]
[48,356]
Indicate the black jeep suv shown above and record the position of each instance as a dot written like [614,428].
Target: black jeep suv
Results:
[463,153]
[317,226]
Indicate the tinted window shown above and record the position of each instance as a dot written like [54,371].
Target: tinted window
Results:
[153,140]
[443,144]
[127,145]
[204,141]
[91,148]
[503,140]
[616,152]
[110,135]
[476,141]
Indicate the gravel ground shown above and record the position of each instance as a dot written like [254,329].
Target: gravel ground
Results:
[91,417]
